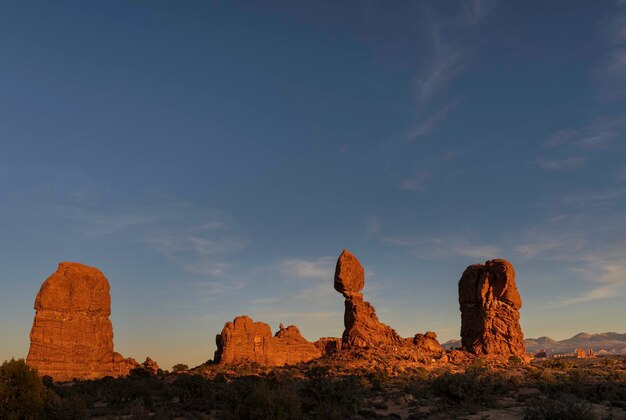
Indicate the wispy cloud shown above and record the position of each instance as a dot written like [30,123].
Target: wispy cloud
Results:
[443,247]
[100,223]
[321,268]
[542,244]
[445,64]
[606,272]
[417,182]
[445,57]
[600,132]
[198,248]
[594,198]
[564,164]
[610,75]
[427,125]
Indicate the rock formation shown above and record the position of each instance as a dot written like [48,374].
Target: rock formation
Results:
[328,345]
[490,303]
[362,327]
[245,341]
[72,336]
[427,342]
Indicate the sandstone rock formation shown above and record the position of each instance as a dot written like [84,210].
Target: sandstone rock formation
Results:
[490,303]
[245,341]
[427,342]
[328,345]
[72,336]
[362,327]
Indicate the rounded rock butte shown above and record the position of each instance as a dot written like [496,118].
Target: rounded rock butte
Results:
[489,302]
[72,336]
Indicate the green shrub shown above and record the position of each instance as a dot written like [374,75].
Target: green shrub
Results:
[22,393]
[180,367]
[471,390]
[564,407]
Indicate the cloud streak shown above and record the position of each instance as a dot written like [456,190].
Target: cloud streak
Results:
[320,269]
[564,164]
[429,123]
[416,182]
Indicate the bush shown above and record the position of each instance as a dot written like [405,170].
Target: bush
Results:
[565,407]
[472,390]
[22,393]
[180,367]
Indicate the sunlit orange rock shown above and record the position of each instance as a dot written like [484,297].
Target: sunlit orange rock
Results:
[245,341]
[427,342]
[490,303]
[362,327]
[72,336]
[328,345]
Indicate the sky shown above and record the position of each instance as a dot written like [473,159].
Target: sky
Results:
[214,158]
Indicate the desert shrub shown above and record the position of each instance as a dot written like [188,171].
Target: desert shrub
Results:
[378,379]
[194,392]
[70,408]
[332,398]
[22,393]
[564,407]
[180,367]
[559,364]
[255,398]
[472,390]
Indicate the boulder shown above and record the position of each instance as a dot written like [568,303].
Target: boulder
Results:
[427,342]
[72,336]
[490,303]
[244,341]
[349,274]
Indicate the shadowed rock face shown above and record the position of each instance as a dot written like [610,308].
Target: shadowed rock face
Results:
[362,327]
[490,303]
[72,336]
[245,341]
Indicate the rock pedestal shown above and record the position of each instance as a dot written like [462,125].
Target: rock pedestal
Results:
[362,327]
[490,303]
[72,336]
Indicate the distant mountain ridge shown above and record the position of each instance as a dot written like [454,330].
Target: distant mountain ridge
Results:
[601,343]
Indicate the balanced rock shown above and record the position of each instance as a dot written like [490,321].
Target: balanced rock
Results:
[72,336]
[349,274]
[362,327]
[245,341]
[490,304]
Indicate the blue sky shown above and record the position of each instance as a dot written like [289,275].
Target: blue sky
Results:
[214,158]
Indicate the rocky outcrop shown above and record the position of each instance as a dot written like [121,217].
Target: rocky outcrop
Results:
[72,336]
[427,342]
[328,345]
[245,341]
[490,304]
[362,327]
